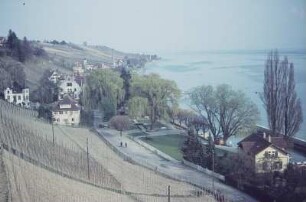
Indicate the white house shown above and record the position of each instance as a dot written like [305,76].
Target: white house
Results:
[18,97]
[55,77]
[66,112]
[264,153]
[2,41]
[69,86]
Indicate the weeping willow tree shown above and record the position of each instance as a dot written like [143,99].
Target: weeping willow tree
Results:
[161,94]
[138,107]
[103,90]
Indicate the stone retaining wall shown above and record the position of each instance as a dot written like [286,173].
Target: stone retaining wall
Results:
[204,170]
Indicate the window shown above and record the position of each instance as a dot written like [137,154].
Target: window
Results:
[19,97]
[278,165]
[266,166]
[72,119]
[8,97]
[58,120]
[69,84]
[61,112]
[271,154]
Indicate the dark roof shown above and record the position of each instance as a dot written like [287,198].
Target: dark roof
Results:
[255,143]
[65,101]
[17,88]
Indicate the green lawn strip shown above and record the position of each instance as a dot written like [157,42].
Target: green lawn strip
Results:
[136,134]
[169,144]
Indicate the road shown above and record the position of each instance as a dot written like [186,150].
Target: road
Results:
[171,168]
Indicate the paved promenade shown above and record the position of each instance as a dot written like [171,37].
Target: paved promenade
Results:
[168,167]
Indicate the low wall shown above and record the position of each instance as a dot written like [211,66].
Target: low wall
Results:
[204,170]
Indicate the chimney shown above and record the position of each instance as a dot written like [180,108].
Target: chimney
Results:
[269,138]
[264,135]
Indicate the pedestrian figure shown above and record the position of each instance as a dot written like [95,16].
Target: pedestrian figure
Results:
[125,144]
[120,144]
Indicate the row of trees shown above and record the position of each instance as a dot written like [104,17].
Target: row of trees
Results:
[113,92]
[221,110]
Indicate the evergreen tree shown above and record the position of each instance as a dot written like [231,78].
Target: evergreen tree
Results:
[192,149]
[209,152]
[126,76]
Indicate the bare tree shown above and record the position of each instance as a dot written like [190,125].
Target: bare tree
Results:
[282,105]
[227,112]
[120,123]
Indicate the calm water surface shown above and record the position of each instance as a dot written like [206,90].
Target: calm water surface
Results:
[242,70]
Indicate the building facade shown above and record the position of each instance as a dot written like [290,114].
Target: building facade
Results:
[2,41]
[69,86]
[55,77]
[263,153]
[18,97]
[66,112]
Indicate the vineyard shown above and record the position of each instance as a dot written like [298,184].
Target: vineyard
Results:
[76,166]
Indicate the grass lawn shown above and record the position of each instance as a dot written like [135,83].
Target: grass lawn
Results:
[136,134]
[169,144]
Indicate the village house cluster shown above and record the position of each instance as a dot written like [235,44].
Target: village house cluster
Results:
[66,111]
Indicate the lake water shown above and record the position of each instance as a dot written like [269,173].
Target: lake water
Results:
[243,70]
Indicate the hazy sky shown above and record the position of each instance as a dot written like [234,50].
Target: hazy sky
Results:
[155,25]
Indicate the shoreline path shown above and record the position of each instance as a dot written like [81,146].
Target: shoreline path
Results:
[170,167]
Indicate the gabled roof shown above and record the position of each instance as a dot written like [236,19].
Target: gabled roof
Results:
[255,143]
[67,100]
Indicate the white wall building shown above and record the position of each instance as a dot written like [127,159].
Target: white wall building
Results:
[17,97]
[55,77]
[2,41]
[66,112]
[69,86]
